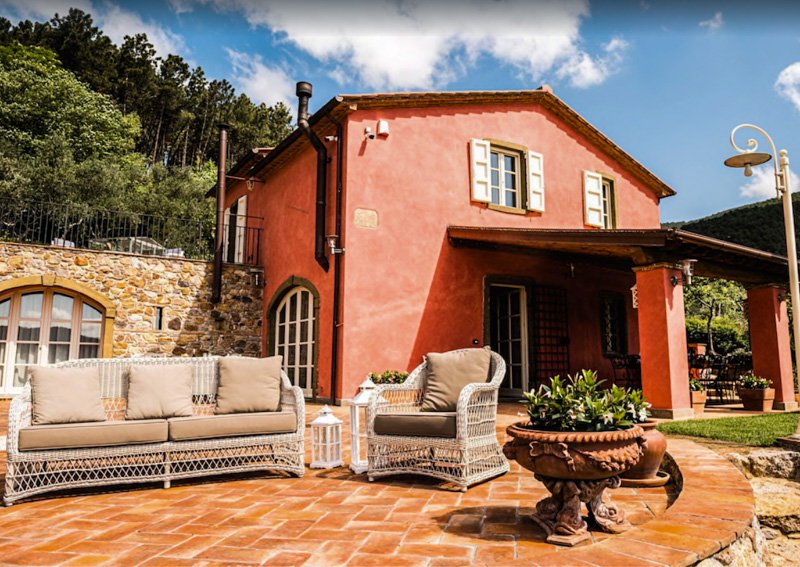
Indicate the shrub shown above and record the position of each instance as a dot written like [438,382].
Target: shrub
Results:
[696,385]
[579,404]
[388,377]
[753,382]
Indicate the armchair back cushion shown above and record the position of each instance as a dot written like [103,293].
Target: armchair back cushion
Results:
[249,385]
[449,372]
[158,392]
[65,395]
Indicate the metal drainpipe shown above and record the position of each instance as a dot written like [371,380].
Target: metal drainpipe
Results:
[304,91]
[337,261]
[216,288]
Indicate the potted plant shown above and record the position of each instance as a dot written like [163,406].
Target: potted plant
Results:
[388,377]
[646,473]
[756,393]
[699,396]
[579,438]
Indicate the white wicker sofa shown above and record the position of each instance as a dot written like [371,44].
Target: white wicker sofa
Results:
[460,447]
[34,470]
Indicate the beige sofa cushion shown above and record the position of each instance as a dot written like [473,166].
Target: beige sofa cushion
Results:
[86,435]
[159,391]
[449,372]
[231,425]
[249,385]
[65,395]
[422,424]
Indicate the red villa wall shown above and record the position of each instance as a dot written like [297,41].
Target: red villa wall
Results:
[408,290]
[286,202]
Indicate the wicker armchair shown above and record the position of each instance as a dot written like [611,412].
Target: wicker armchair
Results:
[472,456]
[39,471]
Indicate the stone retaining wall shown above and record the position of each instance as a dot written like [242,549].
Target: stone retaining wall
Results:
[135,286]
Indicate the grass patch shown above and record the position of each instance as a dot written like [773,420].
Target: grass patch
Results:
[758,431]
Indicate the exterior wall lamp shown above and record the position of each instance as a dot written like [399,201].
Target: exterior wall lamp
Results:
[333,244]
[687,269]
[748,157]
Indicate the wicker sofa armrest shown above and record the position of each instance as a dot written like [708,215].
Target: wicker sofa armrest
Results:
[393,398]
[292,400]
[19,416]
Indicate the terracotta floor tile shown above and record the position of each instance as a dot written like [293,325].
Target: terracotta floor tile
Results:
[288,558]
[366,560]
[86,560]
[434,550]
[381,543]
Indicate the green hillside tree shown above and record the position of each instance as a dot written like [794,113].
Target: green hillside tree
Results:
[719,304]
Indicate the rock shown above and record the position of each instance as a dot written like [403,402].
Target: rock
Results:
[777,503]
[81,261]
[770,534]
[175,324]
[775,463]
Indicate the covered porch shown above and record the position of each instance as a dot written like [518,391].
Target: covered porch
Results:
[655,258]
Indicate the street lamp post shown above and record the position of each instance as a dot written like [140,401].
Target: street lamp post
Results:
[747,158]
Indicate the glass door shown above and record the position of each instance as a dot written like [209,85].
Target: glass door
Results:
[44,327]
[294,337]
[508,333]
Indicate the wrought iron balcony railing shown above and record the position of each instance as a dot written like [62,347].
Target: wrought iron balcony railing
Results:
[83,227]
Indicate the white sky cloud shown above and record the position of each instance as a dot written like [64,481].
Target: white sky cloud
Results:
[115,21]
[762,184]
[41,10]
[118,22]
[396,44]
[261,82]
[788,84]
[713,23]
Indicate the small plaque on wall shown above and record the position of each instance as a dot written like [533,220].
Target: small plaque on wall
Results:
[366,218]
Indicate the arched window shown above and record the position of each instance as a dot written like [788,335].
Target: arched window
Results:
[294,336]
[44,326]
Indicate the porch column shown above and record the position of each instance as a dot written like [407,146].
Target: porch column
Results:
[662,341]
[769,341]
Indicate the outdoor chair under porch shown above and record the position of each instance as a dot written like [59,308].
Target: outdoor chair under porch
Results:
[458,446]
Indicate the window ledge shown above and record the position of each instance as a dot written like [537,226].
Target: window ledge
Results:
[504,209]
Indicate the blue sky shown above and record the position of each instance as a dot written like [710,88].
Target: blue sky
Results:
[665,80]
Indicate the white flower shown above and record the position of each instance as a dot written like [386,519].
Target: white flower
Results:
[608,417]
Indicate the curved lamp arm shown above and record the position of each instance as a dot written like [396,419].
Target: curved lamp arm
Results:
[752,146]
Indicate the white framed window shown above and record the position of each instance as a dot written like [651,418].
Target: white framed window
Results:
[234,239]
[510,176]
[45,326]
[599,200]
[294,337]
[608,203]
[504,178]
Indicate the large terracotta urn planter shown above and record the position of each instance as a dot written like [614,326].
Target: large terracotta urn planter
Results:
[646,472]
[757,399]
[699,398]
[575,467]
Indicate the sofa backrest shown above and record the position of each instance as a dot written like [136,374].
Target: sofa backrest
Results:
[114,380]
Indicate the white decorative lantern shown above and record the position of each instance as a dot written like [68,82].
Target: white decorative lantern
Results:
[358,464]
[326,440]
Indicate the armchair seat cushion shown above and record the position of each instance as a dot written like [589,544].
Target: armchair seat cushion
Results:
[92,434]
[422,424]
[232,425]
